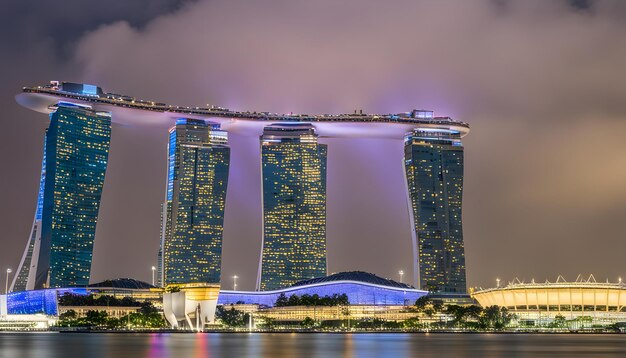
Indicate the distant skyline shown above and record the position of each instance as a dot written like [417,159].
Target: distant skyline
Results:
[541,84]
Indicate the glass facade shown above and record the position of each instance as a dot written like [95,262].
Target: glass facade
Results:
[294,206]
[359,293]
[60,247]
[38,301]
[193,213]
[434,173]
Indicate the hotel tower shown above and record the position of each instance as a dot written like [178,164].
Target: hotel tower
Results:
[294,205]
[433,160]
[193,212]
[60,246]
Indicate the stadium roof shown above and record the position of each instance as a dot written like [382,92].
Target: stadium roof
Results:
[358,276]
[581,282]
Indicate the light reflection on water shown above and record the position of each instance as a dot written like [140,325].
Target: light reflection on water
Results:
[198,345]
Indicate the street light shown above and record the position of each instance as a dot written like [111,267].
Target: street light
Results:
[6,285]
[235,282]
[153,269]
[401,272]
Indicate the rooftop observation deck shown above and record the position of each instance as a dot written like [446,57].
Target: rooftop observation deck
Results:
[128,110]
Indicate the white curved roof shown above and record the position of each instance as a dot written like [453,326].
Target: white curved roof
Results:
[561,293]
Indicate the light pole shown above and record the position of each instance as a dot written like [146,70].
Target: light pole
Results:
[6,285]
[235,282]
[153,269]
[401,273]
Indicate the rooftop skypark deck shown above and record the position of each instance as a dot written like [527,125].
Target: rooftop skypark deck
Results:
[40,98]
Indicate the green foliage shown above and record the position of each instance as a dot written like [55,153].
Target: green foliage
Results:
[393,324]
[146,317]
[558,322]
[428,305]
[495,317]
[473,311]
[68,315]
[461,314]
[147,309]
[267,323]
[422,302]
[96,318]
[377,323]
[282,300]
[437,305]
[429,312]
[369,323]
[69,299]
[307,323]
[412,323]
[330,324]
[145,320]
[231,317]
[312,300]
[469,317]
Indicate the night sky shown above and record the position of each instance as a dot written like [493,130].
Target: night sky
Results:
[542,84]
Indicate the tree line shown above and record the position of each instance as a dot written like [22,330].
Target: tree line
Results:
[147,316]
[70,299]
[312,300]
[471,316]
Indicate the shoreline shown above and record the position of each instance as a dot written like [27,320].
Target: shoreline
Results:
[451,332]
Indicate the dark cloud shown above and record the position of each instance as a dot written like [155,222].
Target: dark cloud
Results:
[541,83]
[30,21]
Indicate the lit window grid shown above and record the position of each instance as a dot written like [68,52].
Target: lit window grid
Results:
[77,148]
[197,176]
[294,201]
[434,169]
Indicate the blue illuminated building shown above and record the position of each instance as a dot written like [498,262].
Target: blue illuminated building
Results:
[59,250]
[362,289]
[80,88]
[36,301]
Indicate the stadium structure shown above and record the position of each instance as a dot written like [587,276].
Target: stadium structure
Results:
[583,301]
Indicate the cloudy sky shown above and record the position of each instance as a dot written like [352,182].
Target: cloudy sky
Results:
[542,84]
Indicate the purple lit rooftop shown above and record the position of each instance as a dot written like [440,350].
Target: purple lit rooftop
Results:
[128,110]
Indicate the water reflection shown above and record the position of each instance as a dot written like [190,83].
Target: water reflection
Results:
[197,345]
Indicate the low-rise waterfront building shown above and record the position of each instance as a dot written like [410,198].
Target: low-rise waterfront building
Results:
[362,288]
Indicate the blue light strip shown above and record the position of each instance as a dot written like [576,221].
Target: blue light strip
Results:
[38,301]
[39,212]
[170,164]
[90,89]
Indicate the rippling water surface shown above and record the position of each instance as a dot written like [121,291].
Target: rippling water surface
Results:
[309,345]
